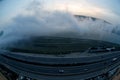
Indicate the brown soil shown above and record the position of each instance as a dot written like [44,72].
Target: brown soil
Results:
[117,77]
[2,77]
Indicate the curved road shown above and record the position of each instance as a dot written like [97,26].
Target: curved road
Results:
[60,68]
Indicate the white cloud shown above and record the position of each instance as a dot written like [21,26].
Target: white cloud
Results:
[35,21]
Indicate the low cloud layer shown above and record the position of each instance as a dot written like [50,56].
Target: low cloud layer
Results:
[38,22]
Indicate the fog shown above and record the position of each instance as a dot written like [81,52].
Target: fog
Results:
[35,21]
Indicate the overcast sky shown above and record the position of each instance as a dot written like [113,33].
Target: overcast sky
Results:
[108,10]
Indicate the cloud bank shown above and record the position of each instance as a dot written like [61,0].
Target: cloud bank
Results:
[35,21]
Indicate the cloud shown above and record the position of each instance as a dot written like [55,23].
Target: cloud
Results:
[93,8]
[35,21]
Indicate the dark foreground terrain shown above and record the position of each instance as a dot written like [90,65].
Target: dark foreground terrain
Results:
[56,45]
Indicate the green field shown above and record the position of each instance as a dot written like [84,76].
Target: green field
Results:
[56,45]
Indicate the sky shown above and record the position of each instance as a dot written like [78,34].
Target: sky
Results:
[104,9]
